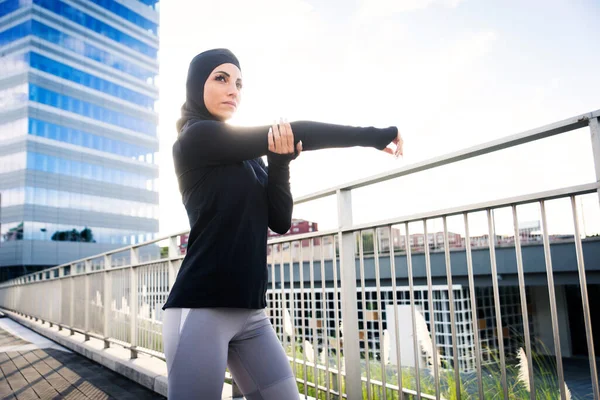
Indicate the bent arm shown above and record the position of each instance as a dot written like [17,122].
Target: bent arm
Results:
[280,200]
[206,143]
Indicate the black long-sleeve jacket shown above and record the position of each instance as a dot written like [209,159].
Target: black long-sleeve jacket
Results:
[231,198]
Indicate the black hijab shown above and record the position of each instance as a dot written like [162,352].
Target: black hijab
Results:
[200,68]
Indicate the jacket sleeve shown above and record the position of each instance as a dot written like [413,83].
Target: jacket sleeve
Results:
[209,143]
[281,202]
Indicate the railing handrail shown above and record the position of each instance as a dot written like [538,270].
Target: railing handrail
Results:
[531,135]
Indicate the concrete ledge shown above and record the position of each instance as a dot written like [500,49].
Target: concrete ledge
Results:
[148,371]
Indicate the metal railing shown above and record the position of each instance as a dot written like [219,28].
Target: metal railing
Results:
[364,311]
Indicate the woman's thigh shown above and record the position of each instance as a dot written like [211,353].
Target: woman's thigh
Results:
[196,363]
[259,364]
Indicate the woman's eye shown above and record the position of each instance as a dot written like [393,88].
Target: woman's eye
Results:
[220,78]
[239,86]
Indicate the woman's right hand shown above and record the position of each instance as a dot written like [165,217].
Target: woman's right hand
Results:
[396,146]
[281,139]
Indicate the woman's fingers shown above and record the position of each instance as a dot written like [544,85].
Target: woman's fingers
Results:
[284,134]
[281,138]
[271,141]
[399,145]
[289,137]
[398,149]
[276,138]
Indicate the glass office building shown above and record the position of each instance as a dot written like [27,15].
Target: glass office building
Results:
[78,140]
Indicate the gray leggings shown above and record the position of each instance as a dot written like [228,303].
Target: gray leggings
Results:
[200,343]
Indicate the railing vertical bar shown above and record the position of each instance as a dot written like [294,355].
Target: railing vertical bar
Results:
[86,299]
[523,295]
[148,277]
[133,303]
[284,307]
[292,307]
[50,304]
[361,257]
[107,301]
[155,300]
[274,311]
[313,318]
[302,317]
[594,124]
[413,314]
[147,302]
[379,313]
[143,280]
[61,282]
[436,361]
[125,299]
[152,289]
[498,310]
[325,301]
[585,301]
[552,297]
[455,354]
[141,275]
[473,300]
[170,276]
[396,322]
[336,306]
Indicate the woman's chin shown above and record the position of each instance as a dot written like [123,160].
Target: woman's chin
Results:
[226,116]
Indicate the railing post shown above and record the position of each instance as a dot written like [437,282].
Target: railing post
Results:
[349,297]
[61,272]
[133,300]
[72,298]
[86,326]
[50,303]
[595,133]
[107,300]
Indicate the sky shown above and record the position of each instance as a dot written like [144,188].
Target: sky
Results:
[449,73]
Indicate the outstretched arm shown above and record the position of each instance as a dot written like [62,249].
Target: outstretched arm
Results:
[206,143]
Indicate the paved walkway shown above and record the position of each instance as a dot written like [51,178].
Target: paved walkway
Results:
[33,367]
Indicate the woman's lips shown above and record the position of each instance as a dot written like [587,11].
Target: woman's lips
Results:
[229,103]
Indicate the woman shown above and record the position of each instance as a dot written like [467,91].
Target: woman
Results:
[215,314]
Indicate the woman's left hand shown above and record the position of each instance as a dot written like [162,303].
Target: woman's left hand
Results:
[281,139]
[398,151]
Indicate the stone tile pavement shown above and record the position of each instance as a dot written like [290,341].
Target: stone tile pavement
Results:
[33,367]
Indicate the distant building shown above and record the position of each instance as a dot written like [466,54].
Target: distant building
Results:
[298,227]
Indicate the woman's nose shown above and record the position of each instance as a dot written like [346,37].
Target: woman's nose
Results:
[233,91]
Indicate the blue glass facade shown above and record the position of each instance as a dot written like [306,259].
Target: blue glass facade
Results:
[75,45]
[85,170]
[129,15]
[78,127]
[50,66]
[90,110]
[95,25]
[89,140]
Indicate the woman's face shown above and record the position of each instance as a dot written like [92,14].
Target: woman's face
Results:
[222,91]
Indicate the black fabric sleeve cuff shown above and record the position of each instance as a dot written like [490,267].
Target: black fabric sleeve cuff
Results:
[279,166]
